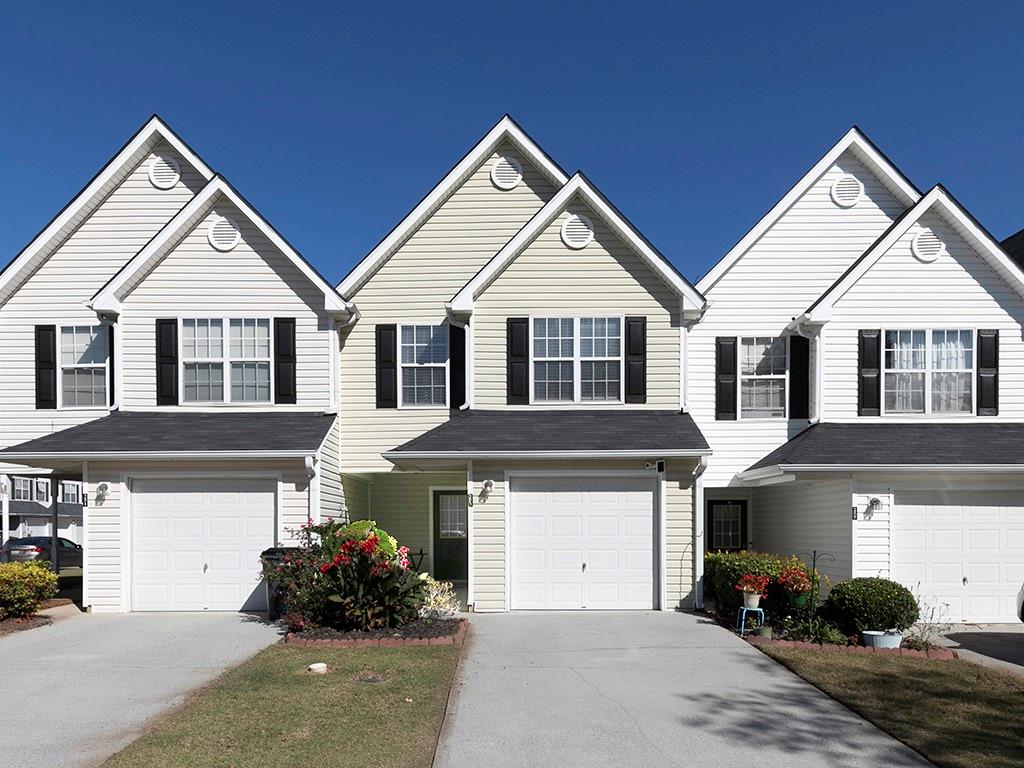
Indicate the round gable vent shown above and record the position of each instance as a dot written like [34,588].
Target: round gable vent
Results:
[926,245]
[847,191]
[577,231]
[164,171]
[506,172]
[223,233]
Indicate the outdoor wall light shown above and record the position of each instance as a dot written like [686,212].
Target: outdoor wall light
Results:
[101,492]
[875,503]
[486,489]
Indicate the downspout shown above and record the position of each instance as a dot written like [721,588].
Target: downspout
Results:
[313,492]
[699,539]
[354,315]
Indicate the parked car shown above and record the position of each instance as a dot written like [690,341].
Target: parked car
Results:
[1020,604]
[38,548]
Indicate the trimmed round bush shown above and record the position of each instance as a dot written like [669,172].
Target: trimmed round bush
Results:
[24,587]
[723,570]
[862,604]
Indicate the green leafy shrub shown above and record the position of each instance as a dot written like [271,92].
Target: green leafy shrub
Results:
[348,577]
[440,601]
[723,571]
[24,587]
[814,630]
[873,603]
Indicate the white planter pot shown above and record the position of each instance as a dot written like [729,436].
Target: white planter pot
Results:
[751,600]
[879,639]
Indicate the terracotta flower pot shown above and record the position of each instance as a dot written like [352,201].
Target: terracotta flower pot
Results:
[751,600]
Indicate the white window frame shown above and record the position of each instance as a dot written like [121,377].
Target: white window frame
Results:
[44,483]
[928,370]
[447,366]
[225,360]
[740,376]
[74,484]
[29,481]
[60,366]
[577,361]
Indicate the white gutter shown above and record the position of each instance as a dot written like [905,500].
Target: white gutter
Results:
[23,458]
[464,455]
[780,470]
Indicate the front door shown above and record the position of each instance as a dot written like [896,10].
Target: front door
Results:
[725,529]
[451,536]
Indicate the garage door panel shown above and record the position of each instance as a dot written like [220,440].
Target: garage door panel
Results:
[609,522]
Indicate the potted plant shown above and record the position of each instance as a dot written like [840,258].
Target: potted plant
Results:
[878,609]
[763,630]
[796,584]
[753,588]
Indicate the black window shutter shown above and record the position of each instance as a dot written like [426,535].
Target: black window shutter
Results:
[387,366]
[636,359]
[988,373]
[799,377]
[110,357]
[869,373]
[517,360]
[284,360]
[167,362]
[726,382]
[46,367]
[456,366]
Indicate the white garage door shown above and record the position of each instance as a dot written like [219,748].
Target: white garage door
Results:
[582,542]
[196,543]
[964,548]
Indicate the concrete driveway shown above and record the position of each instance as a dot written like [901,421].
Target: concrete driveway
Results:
[641,689]
[85,687]
[1000,646]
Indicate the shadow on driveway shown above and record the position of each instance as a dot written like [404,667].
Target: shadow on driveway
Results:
[1002,644]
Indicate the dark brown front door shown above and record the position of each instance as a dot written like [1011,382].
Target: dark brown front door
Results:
[725,528]
[451,536]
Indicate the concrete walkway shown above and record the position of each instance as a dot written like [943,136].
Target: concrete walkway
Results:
[642,689]
[85,687]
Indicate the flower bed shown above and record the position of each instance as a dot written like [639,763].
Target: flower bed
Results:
[422,632]
[942,654]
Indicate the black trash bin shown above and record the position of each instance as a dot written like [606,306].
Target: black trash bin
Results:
[275,590]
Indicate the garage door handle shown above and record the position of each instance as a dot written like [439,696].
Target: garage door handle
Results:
[965,581]
[584,567]
[205,566]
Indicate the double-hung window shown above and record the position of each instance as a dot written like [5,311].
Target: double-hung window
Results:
[763,377]
[929,371]
[83,366]
[22,489]
[577,359]
[424,361]
[245,358]
[70,492]
[41,492]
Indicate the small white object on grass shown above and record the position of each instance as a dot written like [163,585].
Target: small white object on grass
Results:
[318,668]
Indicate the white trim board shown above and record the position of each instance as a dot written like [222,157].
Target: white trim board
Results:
[68,219]
[505,129]
[949,209]
[577,187]
[109,297]
[398,456]
[854,140]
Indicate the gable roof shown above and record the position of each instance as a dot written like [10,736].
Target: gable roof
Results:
[108,298]
[854,141]
[953,213]
[153,132]
[577,187]
[1014,247]
[506,129]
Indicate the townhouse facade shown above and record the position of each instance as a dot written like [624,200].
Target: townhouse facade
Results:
[516,384]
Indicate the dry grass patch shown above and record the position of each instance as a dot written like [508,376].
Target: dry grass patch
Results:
[270,712]
[957,714]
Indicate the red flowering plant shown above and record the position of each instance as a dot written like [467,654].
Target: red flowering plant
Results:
[795,580]
[349,577]
[753,584]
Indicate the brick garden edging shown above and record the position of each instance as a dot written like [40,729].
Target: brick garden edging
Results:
[938,654]
[387,642]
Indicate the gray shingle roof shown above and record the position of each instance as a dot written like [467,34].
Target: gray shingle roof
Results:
[976,443]
[142,432]
[482,432]
[1014,247]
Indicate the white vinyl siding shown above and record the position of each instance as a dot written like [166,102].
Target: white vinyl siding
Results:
[957,291]
[195,280]
[800,518]
[549,279]
[424,272]
[117,228]
[777,278]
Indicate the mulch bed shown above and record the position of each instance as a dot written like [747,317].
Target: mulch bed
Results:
[421,632]
[54,602]
[942,654]
[10,626]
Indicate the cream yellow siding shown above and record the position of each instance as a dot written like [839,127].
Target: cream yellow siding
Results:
[55,294]
[105,576]
[605,278]
[489,512]
[423,273]
[253,280]
[356,493]
[332,492]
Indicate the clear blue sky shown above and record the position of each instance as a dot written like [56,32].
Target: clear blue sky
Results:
[694,118]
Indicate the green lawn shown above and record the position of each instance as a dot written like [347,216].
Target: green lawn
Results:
[271,712]
[957,714]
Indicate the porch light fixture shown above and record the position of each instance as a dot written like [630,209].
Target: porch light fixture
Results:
[488,486]
[101,492]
